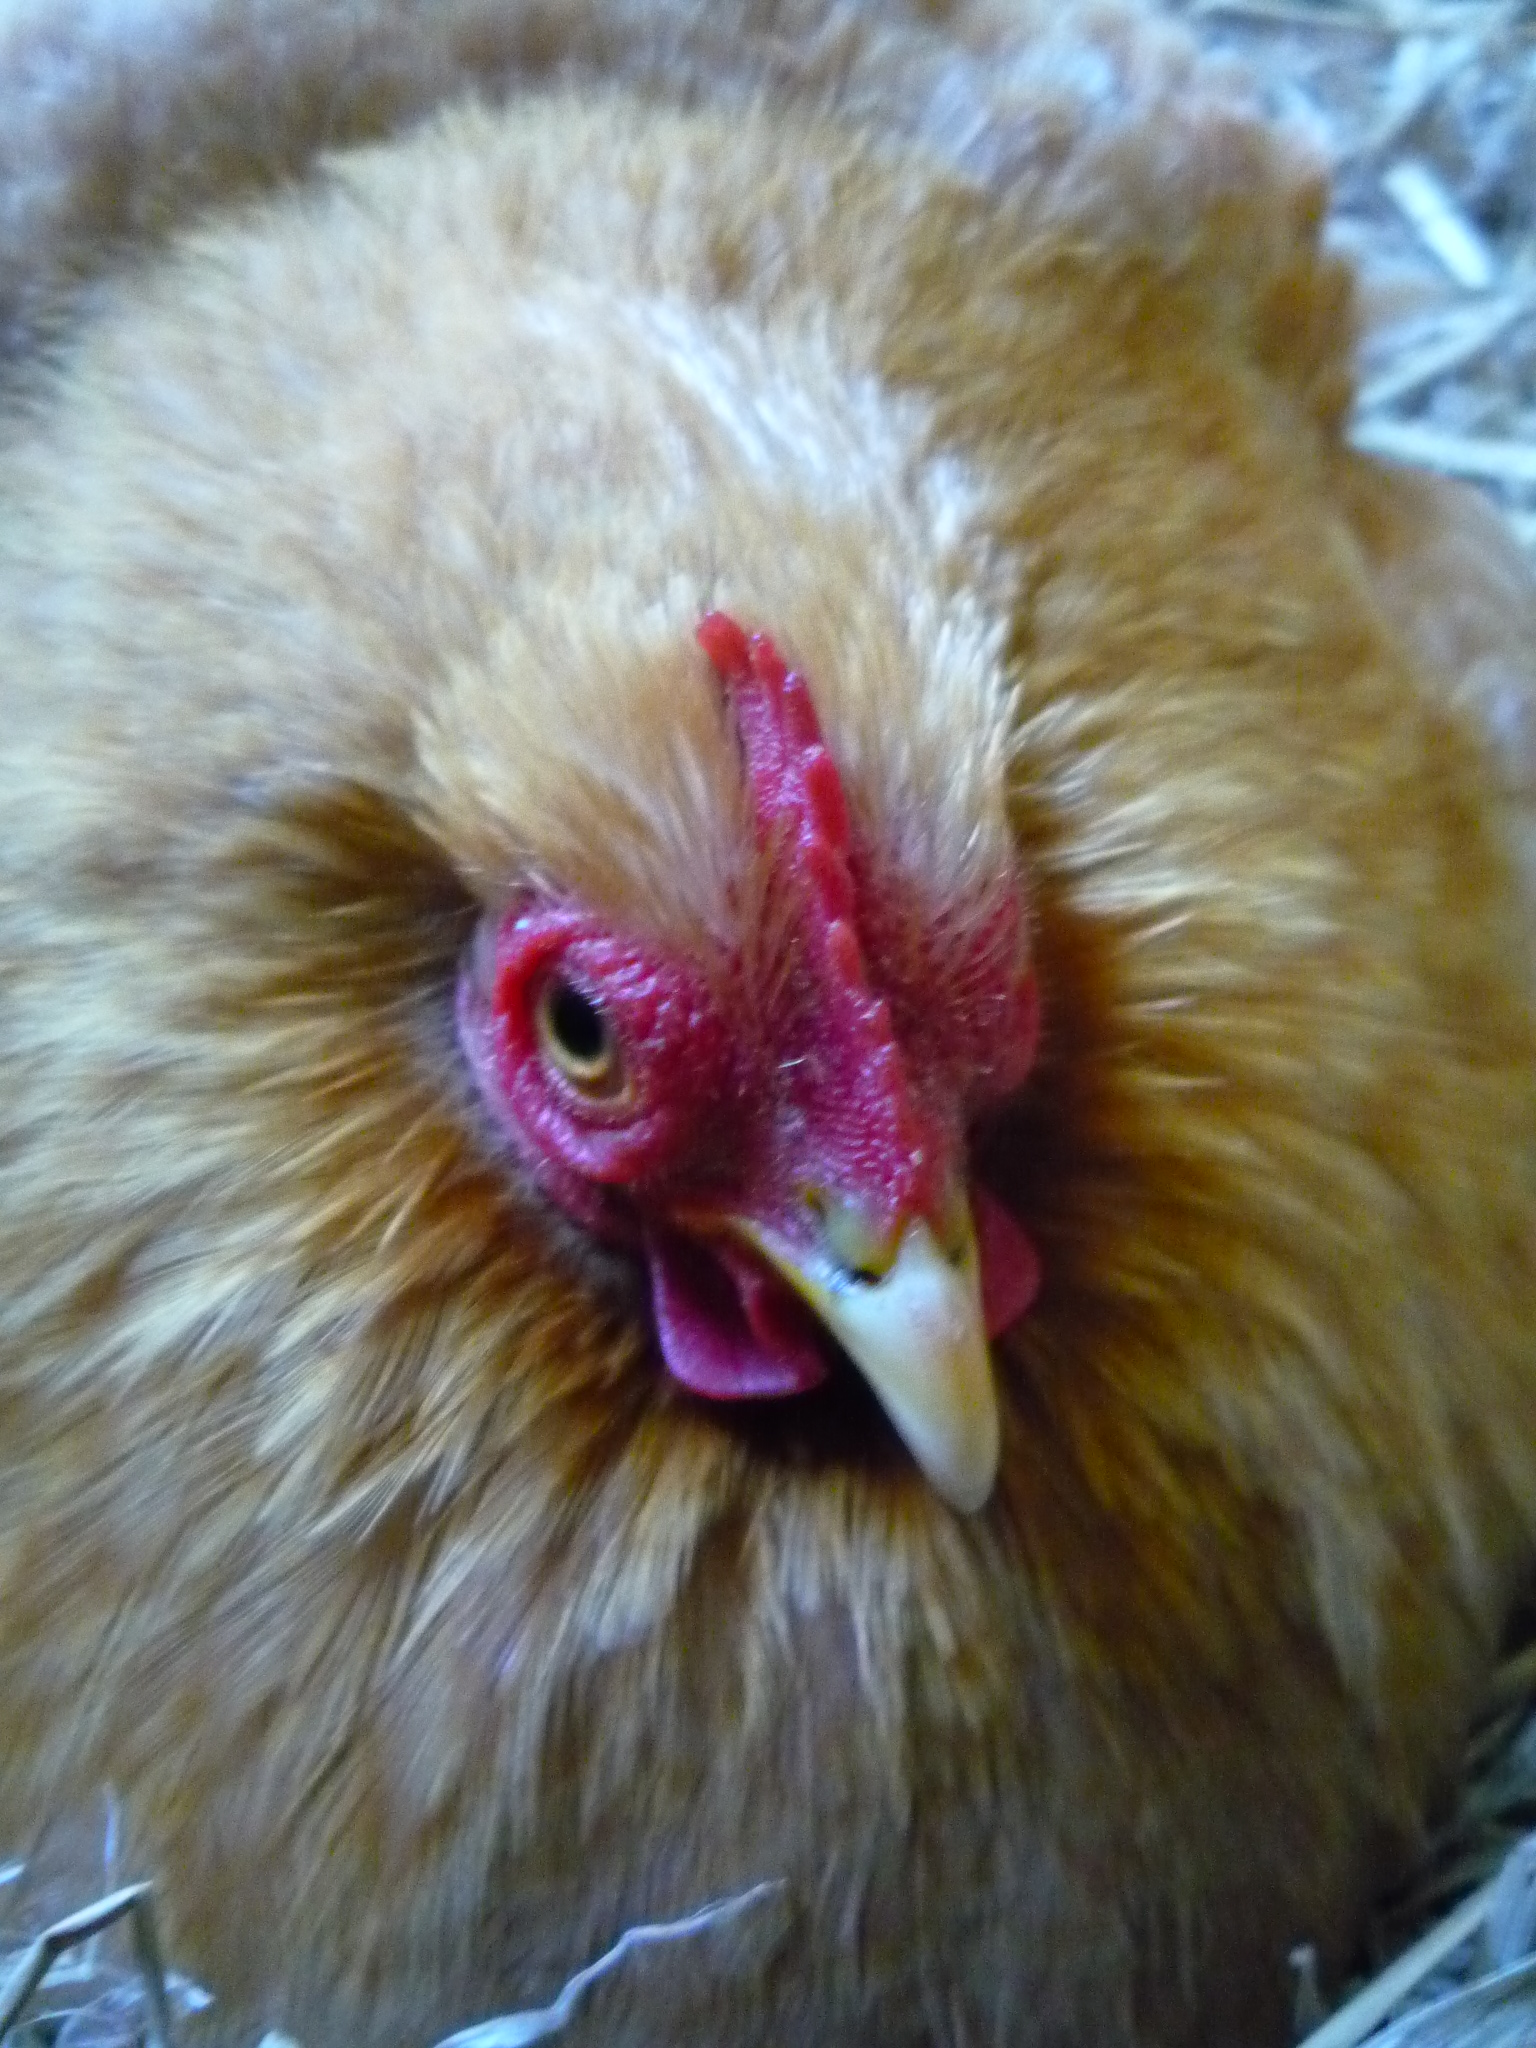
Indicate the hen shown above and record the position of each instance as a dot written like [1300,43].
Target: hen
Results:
[767,1043]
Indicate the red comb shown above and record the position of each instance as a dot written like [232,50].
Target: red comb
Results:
[802,819]
[797,796]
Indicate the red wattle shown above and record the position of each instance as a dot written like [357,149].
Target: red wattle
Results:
[728,1328]
[1010,1265]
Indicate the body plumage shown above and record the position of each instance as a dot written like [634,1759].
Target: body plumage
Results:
[352,562]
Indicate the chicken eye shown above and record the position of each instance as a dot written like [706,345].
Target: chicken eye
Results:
[577,1039]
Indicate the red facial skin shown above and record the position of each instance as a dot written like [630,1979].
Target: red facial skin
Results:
[762,1102]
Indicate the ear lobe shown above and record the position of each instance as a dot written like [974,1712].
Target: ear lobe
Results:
[340,831]
[328,880]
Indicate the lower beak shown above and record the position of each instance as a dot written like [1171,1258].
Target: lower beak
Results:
[918,1335]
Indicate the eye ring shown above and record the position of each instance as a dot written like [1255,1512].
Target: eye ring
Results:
[577,1040]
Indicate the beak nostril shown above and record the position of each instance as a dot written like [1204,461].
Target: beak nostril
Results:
[956,1228]
[863,1246]
[864,1242]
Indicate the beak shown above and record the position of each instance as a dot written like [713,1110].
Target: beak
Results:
[917,1333]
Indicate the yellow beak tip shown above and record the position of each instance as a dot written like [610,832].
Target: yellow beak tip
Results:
[918,1336]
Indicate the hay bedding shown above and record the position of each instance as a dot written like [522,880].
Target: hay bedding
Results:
[1428,110]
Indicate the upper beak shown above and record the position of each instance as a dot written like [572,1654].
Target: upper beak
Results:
[917,1333]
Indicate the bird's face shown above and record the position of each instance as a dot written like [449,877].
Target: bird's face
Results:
[780,1128]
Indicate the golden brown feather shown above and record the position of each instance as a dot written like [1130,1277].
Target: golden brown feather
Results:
[350,558]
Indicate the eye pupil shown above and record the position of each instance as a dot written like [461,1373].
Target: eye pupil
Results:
[577,1039]
[577,1025]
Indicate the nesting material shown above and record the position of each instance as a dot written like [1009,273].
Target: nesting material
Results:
[1428,112]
